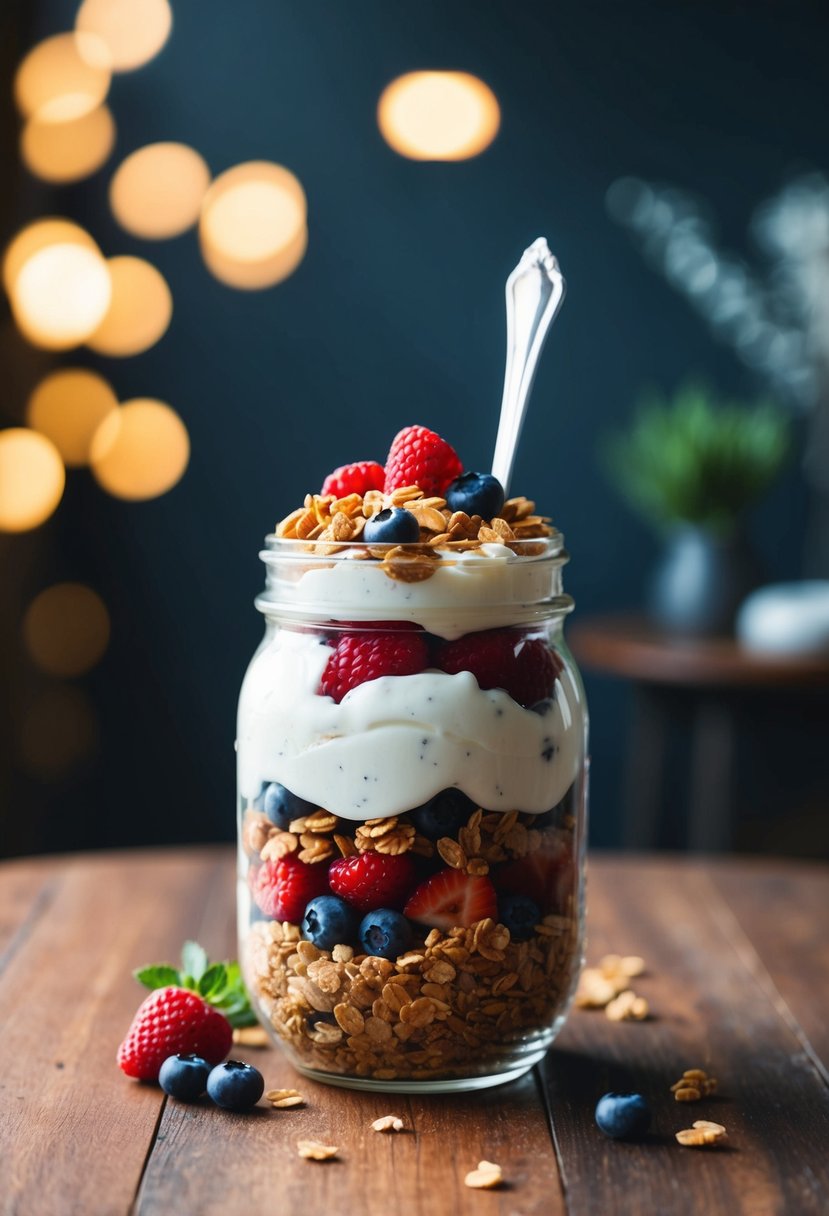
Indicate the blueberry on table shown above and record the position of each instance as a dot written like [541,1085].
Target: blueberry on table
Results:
[623,1116]
[394,526]
[520,914]
[184,1077]
[385,933]
[329,921]
[282,807]
[235,1085]
[476,494]
[444,814]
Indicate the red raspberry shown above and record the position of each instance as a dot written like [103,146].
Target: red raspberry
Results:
[282,888]
[359,657]
[354,478]
[373,880]
[169,1021]
[504,658]
[419,457]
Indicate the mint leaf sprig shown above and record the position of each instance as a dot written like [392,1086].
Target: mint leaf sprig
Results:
[219,984]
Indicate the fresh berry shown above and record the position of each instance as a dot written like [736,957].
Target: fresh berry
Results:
[235,1085]
[282,888]
[623,1116]
[184,1077]
[476,494]
[173,1021]
[503,658]
[385,933]
[451,899]
[282,807]
[444,814]
[419,457]
[373,880]
[394,526]
[359,657]
[545,876]
[356,478]
[520,915]
[329,921]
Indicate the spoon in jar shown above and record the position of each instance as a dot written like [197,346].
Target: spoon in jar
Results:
[535,291]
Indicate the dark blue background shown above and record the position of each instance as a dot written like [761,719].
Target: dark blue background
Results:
[395,316]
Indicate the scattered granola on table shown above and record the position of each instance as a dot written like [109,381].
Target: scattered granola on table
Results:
[693,1085]
[388,1123]
[703,1134]
[487,1176]
[315,1150]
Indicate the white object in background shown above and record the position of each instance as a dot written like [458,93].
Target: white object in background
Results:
[786,619]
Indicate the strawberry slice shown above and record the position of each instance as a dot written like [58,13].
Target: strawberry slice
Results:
[545,876]
[450,900]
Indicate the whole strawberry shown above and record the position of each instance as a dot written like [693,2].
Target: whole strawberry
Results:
[419,457]
[359,657]
[524,667]
[356,478]
[191,1011]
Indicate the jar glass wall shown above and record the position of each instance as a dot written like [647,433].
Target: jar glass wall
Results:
[412,813]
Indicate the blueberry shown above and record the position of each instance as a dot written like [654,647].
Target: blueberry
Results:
[329,921]
[282,807]
[520,915]
[444,814]
[385,933]
[235,1086]
[542,708]
[184,1077]
[623,1116]
[476,494]
[394,526]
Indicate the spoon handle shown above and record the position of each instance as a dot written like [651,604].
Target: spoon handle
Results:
[535,291]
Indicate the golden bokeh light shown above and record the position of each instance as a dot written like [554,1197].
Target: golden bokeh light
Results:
[61,295]
[68,151]
[438,115]
[32,478]
[67,407]
[141,450]
[63,78]
[252,228]
[134,31]
[58,731]
[66,629]
[157,191]
[139,310]
[36,236]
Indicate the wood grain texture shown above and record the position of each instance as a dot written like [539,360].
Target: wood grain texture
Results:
[737,981]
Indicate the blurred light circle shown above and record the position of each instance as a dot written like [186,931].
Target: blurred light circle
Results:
[157,191]
[132,30]
[139,310]
[141,450]
[60,295]
[68,151]
[251,276]
[66,629]
[251,215]
[67,407]
[63,78]
[58,731]
[36,236]
[438,115]
[32,478]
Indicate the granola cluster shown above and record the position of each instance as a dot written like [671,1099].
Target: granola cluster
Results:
[335,525]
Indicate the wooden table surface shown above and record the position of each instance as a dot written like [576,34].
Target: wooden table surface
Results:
[737,979]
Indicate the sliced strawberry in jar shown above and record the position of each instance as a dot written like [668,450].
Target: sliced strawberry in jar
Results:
[525,667]
[451,899]
[545,876]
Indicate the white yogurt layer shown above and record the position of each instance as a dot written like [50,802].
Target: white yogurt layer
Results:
[395,742]
[484,588]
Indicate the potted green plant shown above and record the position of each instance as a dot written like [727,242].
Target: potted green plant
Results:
[691,466]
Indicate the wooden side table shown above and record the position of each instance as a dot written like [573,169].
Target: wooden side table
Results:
[712,675]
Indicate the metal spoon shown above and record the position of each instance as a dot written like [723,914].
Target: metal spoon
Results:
[535,291]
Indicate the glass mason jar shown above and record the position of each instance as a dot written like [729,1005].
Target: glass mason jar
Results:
[412,812]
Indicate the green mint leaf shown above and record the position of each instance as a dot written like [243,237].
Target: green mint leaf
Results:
[194,960]
[160,975]
[213,982]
